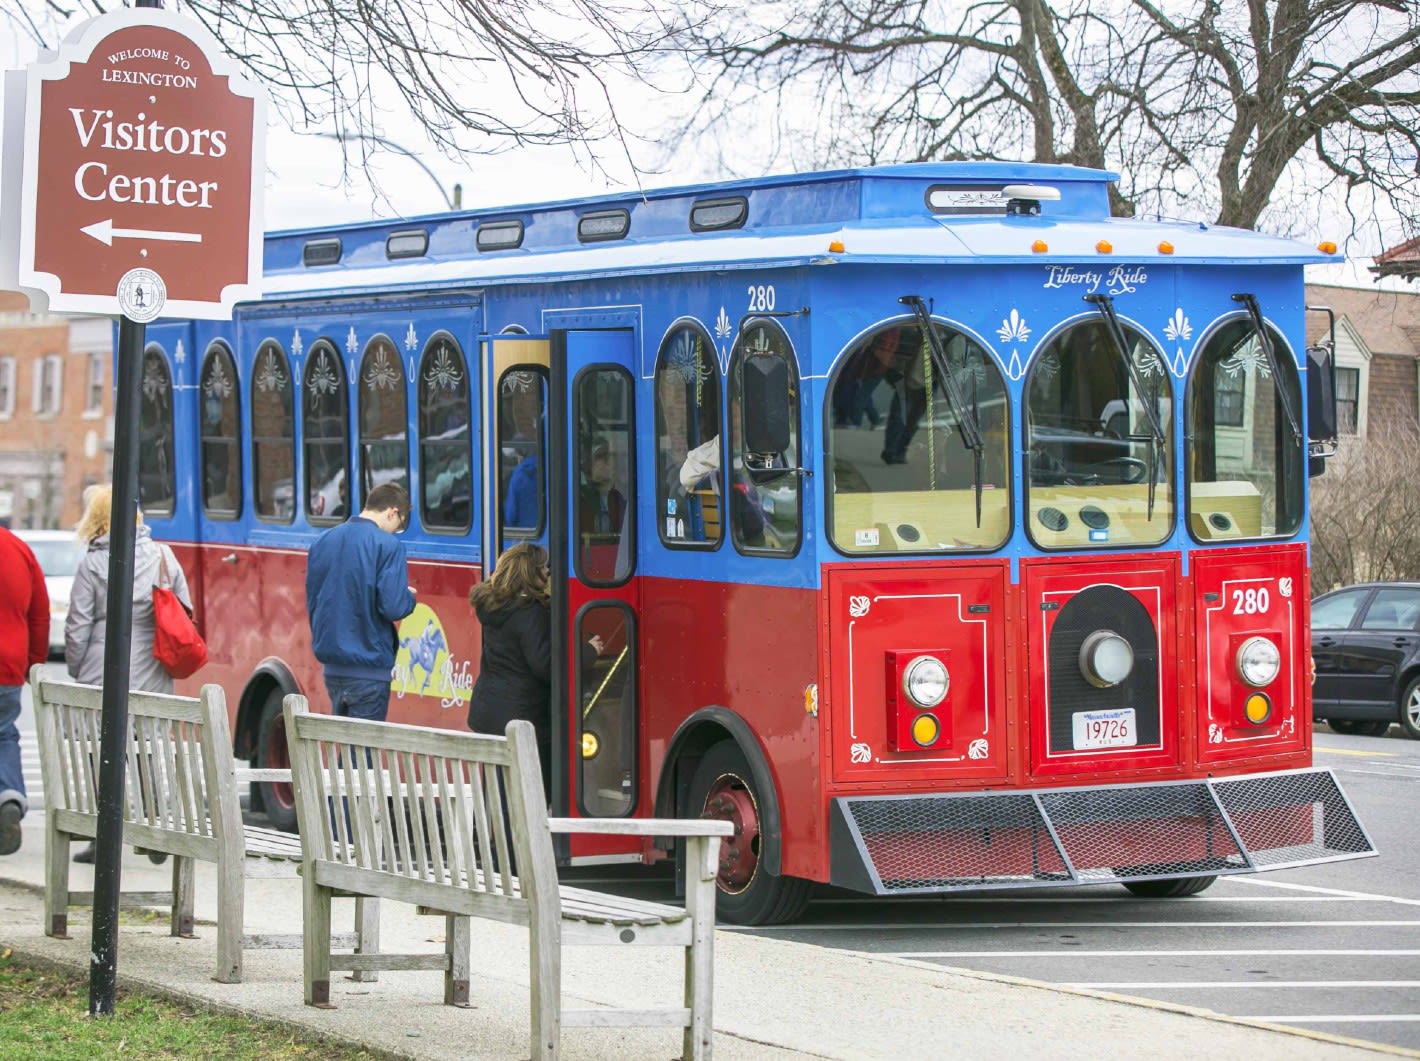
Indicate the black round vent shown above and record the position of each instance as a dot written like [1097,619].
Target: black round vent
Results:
[1094,518]
[1053,519]
[906,532]
[1218,521]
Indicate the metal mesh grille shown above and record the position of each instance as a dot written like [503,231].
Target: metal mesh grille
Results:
[1288,818]
[1148,831]
[954,842]
[896,844]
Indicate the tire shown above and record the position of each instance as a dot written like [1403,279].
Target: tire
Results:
[1359,727]
[1169,889]
[1410,709]
[722,788]
[277,798]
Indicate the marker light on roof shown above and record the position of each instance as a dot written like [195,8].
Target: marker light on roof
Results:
[1326,247]
[1104,246]
[1040,246]
[835,247]
[1165,247]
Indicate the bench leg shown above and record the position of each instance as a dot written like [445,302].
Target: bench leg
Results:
[367,935]
[545,960]
[56,880]
[317,940]
[184,897]
[701,865]
[231,918]
[456,946]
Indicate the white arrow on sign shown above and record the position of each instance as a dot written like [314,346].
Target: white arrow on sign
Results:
[105,233]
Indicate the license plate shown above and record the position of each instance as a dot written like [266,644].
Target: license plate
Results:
[1105,729]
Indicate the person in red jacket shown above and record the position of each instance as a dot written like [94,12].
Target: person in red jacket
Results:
[24,641]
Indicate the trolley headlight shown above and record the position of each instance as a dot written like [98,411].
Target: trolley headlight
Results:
[1106,659]
[1259,661]
[925,681]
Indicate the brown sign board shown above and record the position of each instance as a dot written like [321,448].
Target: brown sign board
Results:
[134,164]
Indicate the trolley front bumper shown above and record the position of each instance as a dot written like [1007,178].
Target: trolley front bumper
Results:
[896,845]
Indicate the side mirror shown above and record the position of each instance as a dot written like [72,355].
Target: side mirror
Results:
[1321,395]
[765,408]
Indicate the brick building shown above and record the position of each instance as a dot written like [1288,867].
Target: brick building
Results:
[1377,356]
[56,412]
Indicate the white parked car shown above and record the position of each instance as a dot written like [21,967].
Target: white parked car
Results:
[58,553]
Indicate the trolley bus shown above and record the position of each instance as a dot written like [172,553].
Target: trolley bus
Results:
[941,531]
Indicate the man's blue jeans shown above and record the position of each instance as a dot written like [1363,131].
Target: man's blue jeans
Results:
[358,697]
[12,777]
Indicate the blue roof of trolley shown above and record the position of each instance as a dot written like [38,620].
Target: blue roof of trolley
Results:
[907,214]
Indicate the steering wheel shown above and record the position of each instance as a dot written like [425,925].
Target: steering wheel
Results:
[1130,469]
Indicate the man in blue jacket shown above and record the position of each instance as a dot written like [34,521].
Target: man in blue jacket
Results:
[357,589]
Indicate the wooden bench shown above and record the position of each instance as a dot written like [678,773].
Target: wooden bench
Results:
[180,799]
[456,824]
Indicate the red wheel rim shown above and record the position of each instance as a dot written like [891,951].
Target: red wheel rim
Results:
[731,800]
[277,757]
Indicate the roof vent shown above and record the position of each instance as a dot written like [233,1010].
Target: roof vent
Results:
[1023,200]
[500,236]
[412,243]
[320,252]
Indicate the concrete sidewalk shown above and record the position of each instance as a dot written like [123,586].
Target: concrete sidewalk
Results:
[773,999]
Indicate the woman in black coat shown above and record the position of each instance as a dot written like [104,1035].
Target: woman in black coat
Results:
[515,672]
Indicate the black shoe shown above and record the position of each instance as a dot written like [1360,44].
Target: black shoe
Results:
[155,857]
[10,815]
[85,855]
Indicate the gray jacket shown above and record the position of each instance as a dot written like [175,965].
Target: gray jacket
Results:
[88,604]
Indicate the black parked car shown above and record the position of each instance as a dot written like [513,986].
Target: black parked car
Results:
[1366,643]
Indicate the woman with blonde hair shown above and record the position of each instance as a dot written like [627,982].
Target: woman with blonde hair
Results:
[515,669]
[87,625]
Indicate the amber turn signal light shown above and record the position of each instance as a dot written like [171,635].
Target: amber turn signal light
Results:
[1104,246]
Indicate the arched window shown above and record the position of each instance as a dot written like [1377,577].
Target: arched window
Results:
[325,432]
[904,478]
[765,494]
[157,487]
[273,435]
[1246,466]
[221,433]
[445,457]
[384,418]
[1098,473]
[688,465]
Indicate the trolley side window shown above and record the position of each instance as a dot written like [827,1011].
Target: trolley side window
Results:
[221,432]
[157,488]
[1091,450]
[603,399]
[445,456]
[688,466]
[273,436]
[384,413]
[904,478]
[325,426]
[765,497]
[522,447]
[1246,469]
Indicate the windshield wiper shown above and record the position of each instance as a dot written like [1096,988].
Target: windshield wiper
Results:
[1260,330]
[966,415]
[1105,305]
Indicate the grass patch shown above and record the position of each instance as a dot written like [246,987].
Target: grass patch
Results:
[45,1014]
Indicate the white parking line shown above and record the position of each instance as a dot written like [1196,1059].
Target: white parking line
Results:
[1259,882]
[1165,985]
[1071,952]
[1348,1018]
[945,926]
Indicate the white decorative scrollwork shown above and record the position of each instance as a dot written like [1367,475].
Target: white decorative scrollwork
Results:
[444,373]
[351,343]
[410,339]
[858,606]
[1284,587]
[722,325]
[322,378]
[1178,329]
[1147,360]
[381,373]
[978,749]
[860,753]
[270,377]
[296,345]
[155,380]
[1014,329]
[180,353]
[1289,725]
[1215,733]
[1247,361]
[217,385]
[519,382]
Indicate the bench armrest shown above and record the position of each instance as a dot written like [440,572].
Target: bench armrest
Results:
[277,774]
[642,826]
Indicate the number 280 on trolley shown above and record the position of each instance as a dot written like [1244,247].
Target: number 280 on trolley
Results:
[941,531]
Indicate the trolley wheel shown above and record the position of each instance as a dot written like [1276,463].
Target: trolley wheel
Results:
[1169,889]
[277,797]
[1359,727]
[1410,709]
[722,788]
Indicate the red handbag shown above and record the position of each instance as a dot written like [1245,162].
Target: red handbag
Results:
[176,643]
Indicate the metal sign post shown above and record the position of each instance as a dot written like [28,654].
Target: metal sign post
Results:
[133,170]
